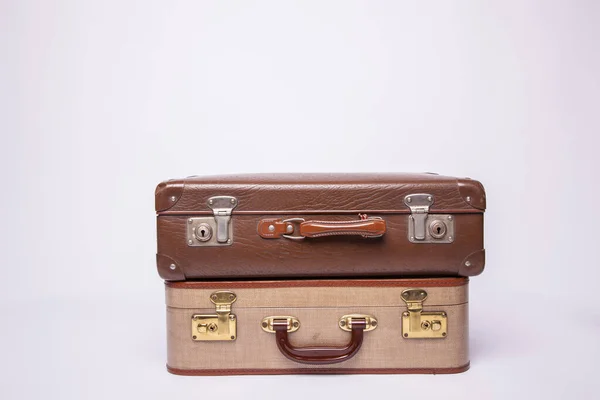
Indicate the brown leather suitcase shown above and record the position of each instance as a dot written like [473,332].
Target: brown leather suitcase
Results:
[318,326]
[319,225]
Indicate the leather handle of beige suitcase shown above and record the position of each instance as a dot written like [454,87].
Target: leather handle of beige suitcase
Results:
[274,228]
[319,354]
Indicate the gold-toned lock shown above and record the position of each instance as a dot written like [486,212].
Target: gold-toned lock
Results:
[419,324]
[219,326]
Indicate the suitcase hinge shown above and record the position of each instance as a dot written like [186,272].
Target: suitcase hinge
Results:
[419,324]
[424,227]
[219,326]
[200,229]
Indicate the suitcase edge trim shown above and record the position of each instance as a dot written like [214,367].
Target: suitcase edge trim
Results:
[428,282]
[317,371]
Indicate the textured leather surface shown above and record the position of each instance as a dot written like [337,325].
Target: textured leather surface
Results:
[322,197]
[273,228]
[280,228]
[167,194]
[318,192]
[337,256]
[371,227]
[473,263]
[473,193]
[168,269]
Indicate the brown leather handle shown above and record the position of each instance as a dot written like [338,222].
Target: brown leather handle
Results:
[372,227]
[273,228]
[319,354]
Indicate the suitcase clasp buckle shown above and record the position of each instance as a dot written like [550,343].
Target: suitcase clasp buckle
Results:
[420,324]
[424,227]
[216,230]
[219,326]
[222,207]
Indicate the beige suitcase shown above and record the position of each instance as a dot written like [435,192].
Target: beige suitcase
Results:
[318,326]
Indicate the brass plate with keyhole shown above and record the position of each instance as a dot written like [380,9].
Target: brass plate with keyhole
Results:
[206,328]
[444,222]
[430,325]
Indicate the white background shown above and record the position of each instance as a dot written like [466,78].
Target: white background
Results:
[100,101]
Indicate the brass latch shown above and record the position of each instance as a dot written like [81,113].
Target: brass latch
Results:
[219,326]
[417,323]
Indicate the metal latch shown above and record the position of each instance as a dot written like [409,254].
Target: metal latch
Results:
[424,227]
[219,326]
[222,207]
[417,323]
[419,207]
[216,230]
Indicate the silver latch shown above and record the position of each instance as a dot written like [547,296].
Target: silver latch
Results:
[424,227]
[222,207]
[419,208]
[216,230]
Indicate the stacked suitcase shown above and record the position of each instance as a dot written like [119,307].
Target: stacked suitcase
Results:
[318,273]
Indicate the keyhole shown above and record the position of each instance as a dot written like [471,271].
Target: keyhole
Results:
[438,231]
[203,232]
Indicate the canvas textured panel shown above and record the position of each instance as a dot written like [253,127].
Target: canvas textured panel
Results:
[318,309]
